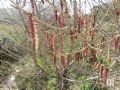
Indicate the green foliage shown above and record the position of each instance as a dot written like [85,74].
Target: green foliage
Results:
[85,86]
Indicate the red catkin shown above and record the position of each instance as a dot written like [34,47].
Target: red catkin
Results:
[31,30]
[52,41]
[86,22]
[47,38]
[79,24]
[92,33]
[54,57]
[93,28]
[61,21]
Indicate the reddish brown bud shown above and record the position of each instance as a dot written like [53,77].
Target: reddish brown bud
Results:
[54,58]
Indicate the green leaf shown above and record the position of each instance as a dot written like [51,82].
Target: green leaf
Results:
[41,63]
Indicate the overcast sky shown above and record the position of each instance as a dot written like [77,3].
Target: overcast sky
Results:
[86,6]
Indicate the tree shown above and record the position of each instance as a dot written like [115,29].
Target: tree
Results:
[69,50]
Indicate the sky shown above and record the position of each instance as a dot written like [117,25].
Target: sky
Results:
[5,3]
[86,6]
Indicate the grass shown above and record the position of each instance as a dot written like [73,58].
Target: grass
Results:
[13,33]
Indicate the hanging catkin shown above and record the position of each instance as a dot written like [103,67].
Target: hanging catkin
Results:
[86,22]
[54,57]
[52,41]
[79,24]
[47,38]
[36,36]
[61,24]
[53,47]
[93,28]
[31,30]
[60,20]
[92,33]
[55,15]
